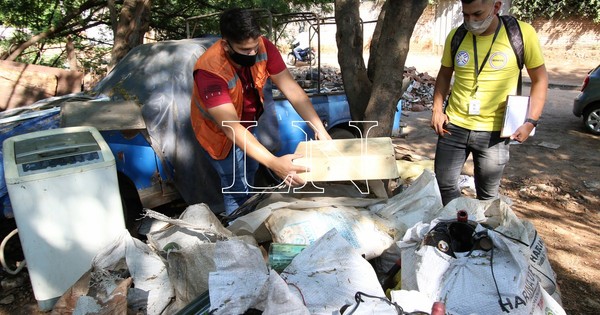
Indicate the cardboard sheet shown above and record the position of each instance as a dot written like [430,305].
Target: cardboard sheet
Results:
[347,159]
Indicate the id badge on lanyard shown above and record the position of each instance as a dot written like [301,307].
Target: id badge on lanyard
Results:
[474,103]
[474,106]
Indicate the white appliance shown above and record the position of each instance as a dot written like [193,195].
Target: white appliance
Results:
[63,187]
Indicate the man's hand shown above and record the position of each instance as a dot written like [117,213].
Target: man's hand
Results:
[438,121]
[285,169]
[442,84]
[522,132]
[322,135]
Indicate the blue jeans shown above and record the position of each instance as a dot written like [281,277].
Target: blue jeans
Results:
[236,180]
[297,51]
[490,155]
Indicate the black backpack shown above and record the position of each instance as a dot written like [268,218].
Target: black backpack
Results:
[514,35]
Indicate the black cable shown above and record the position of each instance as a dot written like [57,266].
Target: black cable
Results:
[545,275]
[528,245]
[358,298]
[494,277]
[509,237]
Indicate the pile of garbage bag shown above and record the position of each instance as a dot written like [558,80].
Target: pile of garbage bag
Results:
[339,255]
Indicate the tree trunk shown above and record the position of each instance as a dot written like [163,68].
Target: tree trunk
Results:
[114,19]
[349,38]
[389,59]
[134,22]
[375,41]
[373,94]
[71,55]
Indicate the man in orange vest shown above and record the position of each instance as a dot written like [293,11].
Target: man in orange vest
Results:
[227,100]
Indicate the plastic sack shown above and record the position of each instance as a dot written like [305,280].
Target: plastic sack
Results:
[254,222]
[243,281]
[187,245]
[322,279]
[421,201]
[328,274]
[367,233]
[125,276]
[513,276]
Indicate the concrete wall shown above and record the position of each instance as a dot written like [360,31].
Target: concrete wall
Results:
[571,37]
[23,84]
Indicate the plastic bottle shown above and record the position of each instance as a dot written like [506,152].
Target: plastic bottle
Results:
[281,255]
[462,216]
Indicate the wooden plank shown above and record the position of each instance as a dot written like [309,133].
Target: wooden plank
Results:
[347,159]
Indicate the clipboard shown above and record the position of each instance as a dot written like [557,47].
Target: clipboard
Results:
[517,109]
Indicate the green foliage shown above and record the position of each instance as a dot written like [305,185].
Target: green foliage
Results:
[557,9]
[35,15]
[169,16]
[168,20]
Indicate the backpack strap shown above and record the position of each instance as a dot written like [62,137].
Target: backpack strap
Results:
[457,38]
[515,37]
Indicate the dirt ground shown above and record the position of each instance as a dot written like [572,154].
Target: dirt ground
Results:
[553,180]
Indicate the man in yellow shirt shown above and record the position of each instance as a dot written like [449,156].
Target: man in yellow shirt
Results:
[485,72]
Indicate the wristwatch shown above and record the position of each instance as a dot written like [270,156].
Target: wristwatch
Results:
[534,122]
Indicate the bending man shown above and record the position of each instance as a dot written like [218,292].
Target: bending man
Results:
[227,100]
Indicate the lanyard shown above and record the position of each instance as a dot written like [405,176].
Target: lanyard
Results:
[487,56]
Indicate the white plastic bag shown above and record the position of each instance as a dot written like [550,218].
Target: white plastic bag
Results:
[328,274]
[187,245]
[242,281]
[421,201]
[510,278]
[367,233]
[321,279]
[153,290]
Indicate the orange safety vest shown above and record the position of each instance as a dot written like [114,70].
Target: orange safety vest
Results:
[214,60]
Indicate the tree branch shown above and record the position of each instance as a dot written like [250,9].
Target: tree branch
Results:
[57,28]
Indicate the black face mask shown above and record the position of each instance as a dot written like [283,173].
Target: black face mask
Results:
[241,59]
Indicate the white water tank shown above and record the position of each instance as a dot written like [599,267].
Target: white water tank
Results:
[63,188]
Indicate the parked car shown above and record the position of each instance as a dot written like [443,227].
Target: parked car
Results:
[587,103]
[142,109]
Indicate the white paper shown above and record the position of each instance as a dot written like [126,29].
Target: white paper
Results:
[517,108]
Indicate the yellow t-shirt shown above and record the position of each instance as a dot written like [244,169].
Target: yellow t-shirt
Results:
[498,78]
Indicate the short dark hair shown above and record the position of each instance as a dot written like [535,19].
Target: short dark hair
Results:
[239,25]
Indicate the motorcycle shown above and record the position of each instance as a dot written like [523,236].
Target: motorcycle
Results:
[307,55]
